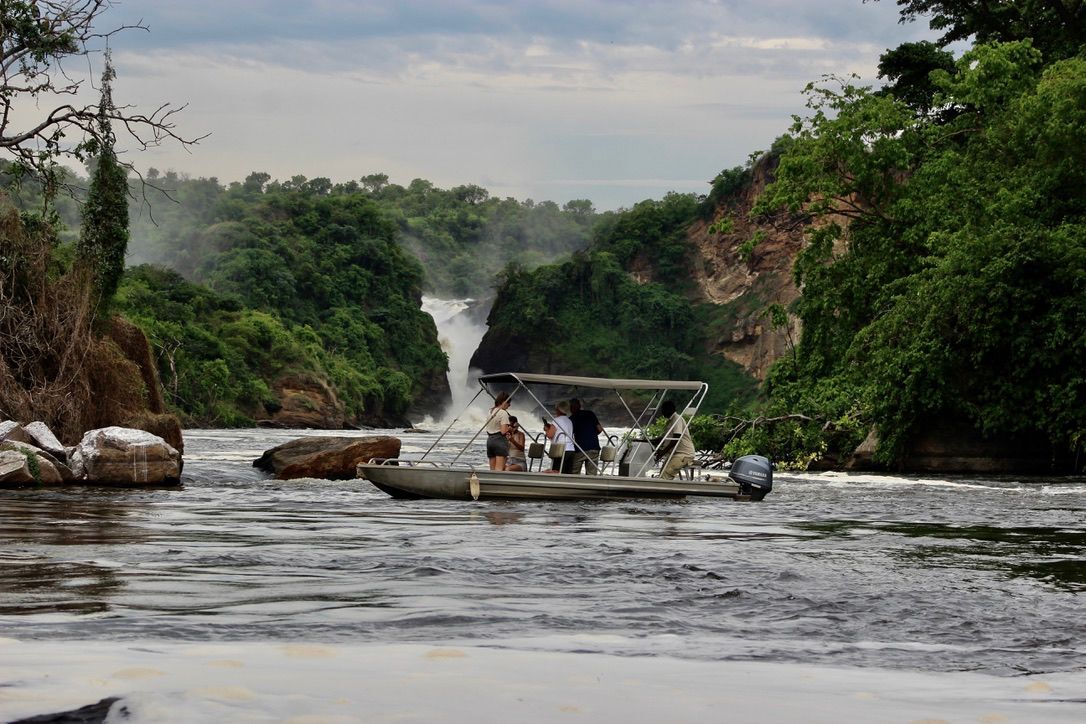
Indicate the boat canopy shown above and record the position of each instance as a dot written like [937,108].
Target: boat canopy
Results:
[601,383]
[637,420]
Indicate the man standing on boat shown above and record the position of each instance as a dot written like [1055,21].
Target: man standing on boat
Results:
[586,432]
[676,437]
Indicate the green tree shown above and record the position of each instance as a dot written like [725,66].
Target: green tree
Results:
[38,124]
[103,237]
[908,70]
[1056,27]
[955,291]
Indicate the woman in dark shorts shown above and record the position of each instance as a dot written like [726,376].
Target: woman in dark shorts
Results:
[497,446]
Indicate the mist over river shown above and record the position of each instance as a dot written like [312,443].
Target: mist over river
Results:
[875,598]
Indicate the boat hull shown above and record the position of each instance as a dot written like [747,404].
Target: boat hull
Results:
[417,481]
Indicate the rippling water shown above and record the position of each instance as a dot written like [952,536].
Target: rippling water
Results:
[938,575]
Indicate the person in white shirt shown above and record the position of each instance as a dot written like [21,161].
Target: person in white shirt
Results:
[563,438]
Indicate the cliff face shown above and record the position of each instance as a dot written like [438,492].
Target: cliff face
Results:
[741,287]
[747,286]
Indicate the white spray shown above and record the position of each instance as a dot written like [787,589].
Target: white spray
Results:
[459,333]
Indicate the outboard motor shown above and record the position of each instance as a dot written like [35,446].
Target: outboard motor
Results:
[754,474]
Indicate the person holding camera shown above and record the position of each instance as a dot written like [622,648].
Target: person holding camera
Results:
[516,461]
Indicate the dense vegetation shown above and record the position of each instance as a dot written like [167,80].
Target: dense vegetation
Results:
[945,275]
[307,279]
[590,316]
[319,286]
[324,275]
[62,360]
[462,236]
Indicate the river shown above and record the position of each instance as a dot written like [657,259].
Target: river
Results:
[841,596]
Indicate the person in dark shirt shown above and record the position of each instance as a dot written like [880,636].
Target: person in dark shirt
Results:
[586,432]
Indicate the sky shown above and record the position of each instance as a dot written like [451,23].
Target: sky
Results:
[546,100]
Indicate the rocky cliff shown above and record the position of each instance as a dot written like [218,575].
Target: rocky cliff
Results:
[741,285]
[748,283]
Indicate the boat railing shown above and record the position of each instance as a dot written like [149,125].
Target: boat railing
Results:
[406,462]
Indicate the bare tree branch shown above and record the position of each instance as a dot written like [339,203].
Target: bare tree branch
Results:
[36,37]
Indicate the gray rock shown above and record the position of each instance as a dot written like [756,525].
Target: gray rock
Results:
[41,436]
[48,474]
[326,457]
[124,456]
[90,714]
[864,454]
[50,470]
[15,469]
[12,430]
[25,447]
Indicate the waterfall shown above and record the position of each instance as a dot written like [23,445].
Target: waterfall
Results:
[460,329]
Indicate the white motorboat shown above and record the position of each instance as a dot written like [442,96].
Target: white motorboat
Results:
[628,468]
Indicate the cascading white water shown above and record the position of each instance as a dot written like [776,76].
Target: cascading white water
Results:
[460,333]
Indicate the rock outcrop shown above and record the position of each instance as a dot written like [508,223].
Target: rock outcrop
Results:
[748,285]
[326,457]
[108,456]
[303,402]
[124,456]
[11,430]
[745,286]
[15,469]
[39,435]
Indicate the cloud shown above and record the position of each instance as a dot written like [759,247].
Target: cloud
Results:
[547,99]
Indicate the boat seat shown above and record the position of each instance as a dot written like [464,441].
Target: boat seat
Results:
[556,454]
[558,458]
[608,454]
[535,452]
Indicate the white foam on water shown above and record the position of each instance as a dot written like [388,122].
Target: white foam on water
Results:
[1063,489]
[852,480]
[164,682]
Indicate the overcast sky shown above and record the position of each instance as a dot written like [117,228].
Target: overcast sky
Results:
[548,99]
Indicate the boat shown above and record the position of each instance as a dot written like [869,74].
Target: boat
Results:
[629,466]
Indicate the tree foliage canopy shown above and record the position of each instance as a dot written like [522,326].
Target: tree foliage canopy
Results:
[322,271]
[958,289]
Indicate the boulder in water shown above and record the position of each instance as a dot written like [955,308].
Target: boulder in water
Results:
[11,430]
[325,456]
[123,456]
[44,466]
[41,436]
[15,469]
